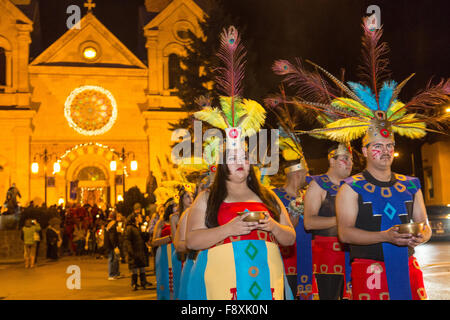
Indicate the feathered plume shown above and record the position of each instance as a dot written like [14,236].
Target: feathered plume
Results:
[374,69]
[309,85]
[230,76]
[234,110]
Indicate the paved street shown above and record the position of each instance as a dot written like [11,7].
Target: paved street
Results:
[48,281]
[434,259]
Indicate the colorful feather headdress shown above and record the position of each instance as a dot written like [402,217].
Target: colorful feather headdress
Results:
[204,168]
[370,108]
[239,117]
[288,140]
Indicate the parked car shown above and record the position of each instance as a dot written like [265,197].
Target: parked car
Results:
[439,218]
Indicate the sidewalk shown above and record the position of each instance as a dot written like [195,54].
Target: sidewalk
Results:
[52,281]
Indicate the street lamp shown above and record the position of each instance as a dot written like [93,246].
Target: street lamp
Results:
[46,157]
[134,165]
[113,165]
[123,156]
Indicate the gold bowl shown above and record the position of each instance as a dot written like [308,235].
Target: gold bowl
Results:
[254,216]
[414,228]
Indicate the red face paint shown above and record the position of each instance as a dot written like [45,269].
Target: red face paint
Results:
[376,154]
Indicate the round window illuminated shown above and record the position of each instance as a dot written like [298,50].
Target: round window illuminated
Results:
[90,53]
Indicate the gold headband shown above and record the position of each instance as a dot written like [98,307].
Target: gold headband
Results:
[342,149]
[379,127]
[297,167]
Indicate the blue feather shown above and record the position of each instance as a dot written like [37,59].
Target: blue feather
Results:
[283,133]
[365,94]
[386,93]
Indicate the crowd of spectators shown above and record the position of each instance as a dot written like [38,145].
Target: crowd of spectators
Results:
[82,227]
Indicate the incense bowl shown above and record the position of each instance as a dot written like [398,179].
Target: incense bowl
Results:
[253,216]
[414,228]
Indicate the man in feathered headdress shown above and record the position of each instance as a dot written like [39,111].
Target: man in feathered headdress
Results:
[371,204]
[331,262]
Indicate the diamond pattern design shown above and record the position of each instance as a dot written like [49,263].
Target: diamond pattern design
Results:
[255,290]
[389,210]
[251,251]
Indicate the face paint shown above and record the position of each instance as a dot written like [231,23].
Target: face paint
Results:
[376,154]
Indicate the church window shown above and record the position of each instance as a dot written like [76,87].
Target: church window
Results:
[90,53]
[174,69]
[90,110]
[2,67]
[91,174]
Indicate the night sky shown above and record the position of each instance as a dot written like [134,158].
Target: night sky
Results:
[327,32]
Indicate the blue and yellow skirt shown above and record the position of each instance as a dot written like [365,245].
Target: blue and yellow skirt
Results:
[168,272]
[240,270]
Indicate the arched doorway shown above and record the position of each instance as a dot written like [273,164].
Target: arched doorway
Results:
[93,186]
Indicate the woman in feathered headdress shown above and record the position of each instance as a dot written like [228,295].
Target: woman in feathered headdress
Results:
[217,221]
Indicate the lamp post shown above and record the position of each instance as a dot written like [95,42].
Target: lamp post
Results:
[123,156]
[45,157]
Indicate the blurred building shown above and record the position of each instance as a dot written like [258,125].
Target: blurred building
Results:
[436,170]
[84,98]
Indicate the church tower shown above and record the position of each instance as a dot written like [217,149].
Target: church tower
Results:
[15,97]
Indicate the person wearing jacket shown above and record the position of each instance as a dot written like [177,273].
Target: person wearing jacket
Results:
[28,235]
[111,245]
[135,251]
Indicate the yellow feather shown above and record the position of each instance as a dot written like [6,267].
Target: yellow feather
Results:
[347,129]
[211,115]
[254,117]
[352,105]
[290,150]
[393,108]
[413,130]
[225,103]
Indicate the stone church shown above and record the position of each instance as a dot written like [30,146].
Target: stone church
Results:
[85,118]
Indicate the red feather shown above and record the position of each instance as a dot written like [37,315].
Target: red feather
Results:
[309,85]
[374,69]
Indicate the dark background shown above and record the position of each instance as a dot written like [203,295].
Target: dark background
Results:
[327,32]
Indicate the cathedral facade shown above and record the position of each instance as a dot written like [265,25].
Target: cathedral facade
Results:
[86,119]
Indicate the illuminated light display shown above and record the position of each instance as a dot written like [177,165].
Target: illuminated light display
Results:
[90,110]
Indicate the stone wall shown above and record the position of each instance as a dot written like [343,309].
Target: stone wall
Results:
[11,246]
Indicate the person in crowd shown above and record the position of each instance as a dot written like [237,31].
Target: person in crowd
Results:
[100,239]
[167,266]
[121,223]
[54,239]
[295,259]
[179,241]
[112,246]
[330,256]
[29,236]
[135,249]
[79,237]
